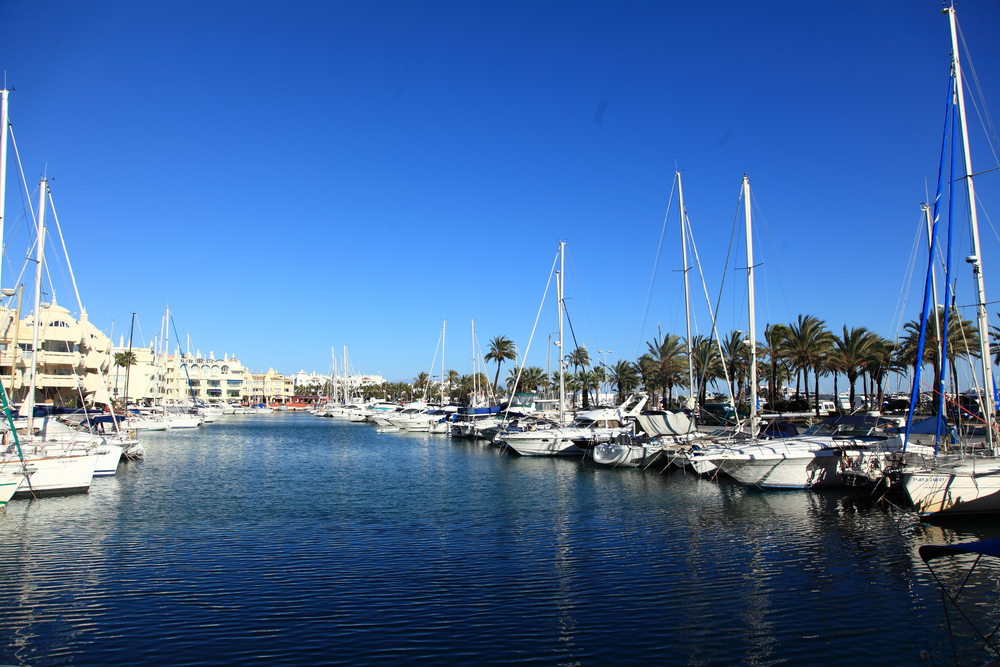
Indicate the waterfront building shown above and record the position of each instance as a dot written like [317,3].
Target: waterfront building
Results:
[180,378]
[72,360]
[271,387]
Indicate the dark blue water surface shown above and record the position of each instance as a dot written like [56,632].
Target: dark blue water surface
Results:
[290,539]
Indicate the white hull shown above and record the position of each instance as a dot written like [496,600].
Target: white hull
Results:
[543,445]
[967,487]
[57,475]
[791,471]
[615,455]
[108,457]
[10,480]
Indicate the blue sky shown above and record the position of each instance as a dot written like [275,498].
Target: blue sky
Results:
[291,176]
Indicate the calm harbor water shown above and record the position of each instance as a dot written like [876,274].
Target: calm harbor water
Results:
[290,539]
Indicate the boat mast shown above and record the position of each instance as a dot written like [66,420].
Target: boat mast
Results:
[976,260]
[3,170]
[475,375]
[166,354]
[687,290]
[444,324]
[754,417]
[347,388]
[560,286]
[29,401]
[934,285]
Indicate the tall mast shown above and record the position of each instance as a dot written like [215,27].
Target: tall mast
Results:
[3,170]
[128,366]
[754,418]
[976,259]
[334,379]
[347,389]
[444,325]
[934,286]
[475,375]
[560,286]
[687,291]
[166,355]
[43,186]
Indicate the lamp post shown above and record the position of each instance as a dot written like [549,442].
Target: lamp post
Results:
[604,363]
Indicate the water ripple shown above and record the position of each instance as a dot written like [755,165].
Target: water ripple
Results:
[293,540]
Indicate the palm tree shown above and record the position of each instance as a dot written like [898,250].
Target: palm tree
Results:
[585,379]
[960,333]
[853,350]
[737,355]
[452,379]
[707,364]
[625,377]
[531,378]
[808,342]
[775,341]
[670,357]
[501,349]
[125,359]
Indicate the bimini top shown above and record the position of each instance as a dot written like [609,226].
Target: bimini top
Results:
[983,547]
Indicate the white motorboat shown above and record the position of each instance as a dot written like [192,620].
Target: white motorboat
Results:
[586,431]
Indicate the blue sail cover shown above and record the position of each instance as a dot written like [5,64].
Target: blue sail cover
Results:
[488,410]
[930,425]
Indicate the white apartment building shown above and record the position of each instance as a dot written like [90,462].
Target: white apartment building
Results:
[72,359]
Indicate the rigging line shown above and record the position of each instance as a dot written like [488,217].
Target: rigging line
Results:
[69,264]
[713,315]
[986,214]
[187,373]
[985,119]
[20,168]
[430,376]
[774,255]
[656,264]
[538,315]
[900,310]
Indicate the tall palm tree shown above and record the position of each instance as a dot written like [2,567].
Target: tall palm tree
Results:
[707,364]
[961,334]
[775,340]
[624,376]
[737,354]
[853,351]
[452,379]
[125,359]
[670,356]
[808,342]
[531,378]
[585,379]
[501,350]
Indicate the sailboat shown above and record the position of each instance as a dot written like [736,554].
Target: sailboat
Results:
[57,467]
[968,484]
[813,459]
[667,432]
[588,428]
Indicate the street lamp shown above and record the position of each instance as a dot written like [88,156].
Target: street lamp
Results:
[604,363]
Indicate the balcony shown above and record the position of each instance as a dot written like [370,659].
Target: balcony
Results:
[53,380]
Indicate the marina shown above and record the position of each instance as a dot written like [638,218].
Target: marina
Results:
[785,452]
[289,539]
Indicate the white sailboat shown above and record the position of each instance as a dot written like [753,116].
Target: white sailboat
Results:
[964,485]
[56,468]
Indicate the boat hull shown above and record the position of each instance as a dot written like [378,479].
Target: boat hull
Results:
[954,491]
[58,475]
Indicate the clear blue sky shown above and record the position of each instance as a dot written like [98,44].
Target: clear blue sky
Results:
[291,176]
